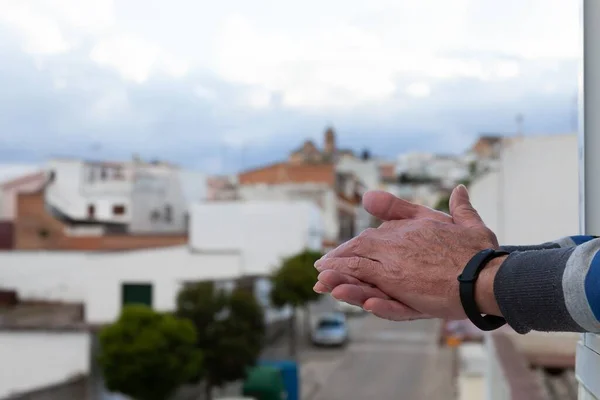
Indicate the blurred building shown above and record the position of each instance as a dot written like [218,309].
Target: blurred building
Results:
[53,302]
[532,195]
[15,180]
[135,197]
[84,205]
[309,153]
[332,178]
[528,195]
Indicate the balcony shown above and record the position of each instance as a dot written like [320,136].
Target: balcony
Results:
[513,371]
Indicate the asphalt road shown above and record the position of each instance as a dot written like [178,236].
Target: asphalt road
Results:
[388,361]
[383,360]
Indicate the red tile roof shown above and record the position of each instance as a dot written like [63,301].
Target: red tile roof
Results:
[290,173]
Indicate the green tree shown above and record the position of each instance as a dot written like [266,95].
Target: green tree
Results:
[230,330]
[148,355]
[293,286]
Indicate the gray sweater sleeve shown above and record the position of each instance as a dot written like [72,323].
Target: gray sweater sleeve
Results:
[552,289]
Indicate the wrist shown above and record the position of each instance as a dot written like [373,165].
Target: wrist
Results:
[484,288]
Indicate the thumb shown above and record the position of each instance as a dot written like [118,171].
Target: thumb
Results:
[461,209]
[387,207]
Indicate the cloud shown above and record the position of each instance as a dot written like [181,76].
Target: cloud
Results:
[182,80]
[341,64]
[418,89]
[135,59]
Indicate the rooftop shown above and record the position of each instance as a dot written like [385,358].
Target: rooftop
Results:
[284,172]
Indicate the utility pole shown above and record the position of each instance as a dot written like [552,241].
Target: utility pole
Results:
[519,120]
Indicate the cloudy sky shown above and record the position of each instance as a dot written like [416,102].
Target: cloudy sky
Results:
[227,84]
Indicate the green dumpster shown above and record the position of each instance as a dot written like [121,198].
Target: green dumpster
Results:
[264,383]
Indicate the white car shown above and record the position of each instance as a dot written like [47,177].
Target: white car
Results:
[330,330]
[347,308]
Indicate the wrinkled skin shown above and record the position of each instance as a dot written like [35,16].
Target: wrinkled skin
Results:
[407,269]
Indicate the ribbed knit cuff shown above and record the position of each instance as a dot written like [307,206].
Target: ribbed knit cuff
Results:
[528,289]
[548,245]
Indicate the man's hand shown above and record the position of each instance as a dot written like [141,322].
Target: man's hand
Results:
[359,290]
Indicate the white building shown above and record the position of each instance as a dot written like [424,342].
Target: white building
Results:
[41,358]
[263,231]
[131,196]
[533,195]
[228,241]
[366,171]
[447,169]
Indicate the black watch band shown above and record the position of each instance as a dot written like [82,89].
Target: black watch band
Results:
[466,288]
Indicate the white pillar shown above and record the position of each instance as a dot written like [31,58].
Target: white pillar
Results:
[588,360]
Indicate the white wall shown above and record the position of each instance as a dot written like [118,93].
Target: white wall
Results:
[485,198]
[96,278]
[367,171]
[71,195]
[34,359]
[321,194]
[265,231]
[156,187]
[537,190]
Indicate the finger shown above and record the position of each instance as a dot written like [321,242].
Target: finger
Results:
[321,288]
[357,294]
[358,267]
[463,213]
[387,207]
[331,279]
[392,310]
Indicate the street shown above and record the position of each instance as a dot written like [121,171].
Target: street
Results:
[384,360]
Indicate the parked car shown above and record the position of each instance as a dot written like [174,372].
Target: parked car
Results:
[347,308]
[330,330]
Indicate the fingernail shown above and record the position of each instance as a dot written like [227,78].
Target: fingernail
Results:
[317,290]
[368,310]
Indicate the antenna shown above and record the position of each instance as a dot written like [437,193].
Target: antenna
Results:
[519,120]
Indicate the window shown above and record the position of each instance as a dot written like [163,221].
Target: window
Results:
[136,293]
[330,323]
[119,175]
[154,216]
[168,213]
[91,211]
[119,209]
[91,174]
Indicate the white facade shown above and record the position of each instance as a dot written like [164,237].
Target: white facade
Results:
[96,279]
[533,196]
[448,169]
[367,171]
[228,241]
[78,186]
[320,194]
[147,198]
[264,232]
[35,359]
